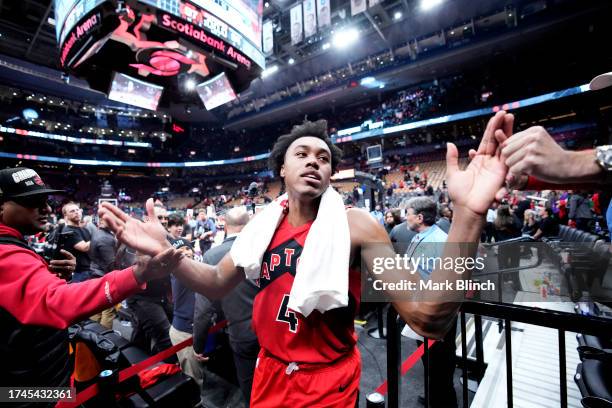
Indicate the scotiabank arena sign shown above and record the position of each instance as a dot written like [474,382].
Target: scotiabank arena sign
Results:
[204,39]
[81,31]
[87,36]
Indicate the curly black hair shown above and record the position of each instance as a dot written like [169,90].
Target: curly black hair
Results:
[316,129]
[177,218]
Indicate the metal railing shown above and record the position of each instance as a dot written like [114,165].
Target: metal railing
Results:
[561,321]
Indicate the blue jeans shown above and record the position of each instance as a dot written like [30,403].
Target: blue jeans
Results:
[80,277]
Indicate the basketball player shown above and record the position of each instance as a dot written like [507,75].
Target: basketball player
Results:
[313,361]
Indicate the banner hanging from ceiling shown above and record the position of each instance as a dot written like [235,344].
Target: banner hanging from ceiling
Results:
[268,37]
[323,13]
[296,24]
[310,18]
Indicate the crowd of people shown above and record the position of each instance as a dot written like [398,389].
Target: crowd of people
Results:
[190,260]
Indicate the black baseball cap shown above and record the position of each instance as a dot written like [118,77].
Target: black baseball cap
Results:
[181,242]
[21,182]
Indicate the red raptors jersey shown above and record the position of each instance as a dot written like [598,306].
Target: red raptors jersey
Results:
[288,335]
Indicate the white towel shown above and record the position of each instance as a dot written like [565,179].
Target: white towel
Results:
[321,279]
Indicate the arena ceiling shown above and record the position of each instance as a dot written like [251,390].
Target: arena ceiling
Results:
[27,39]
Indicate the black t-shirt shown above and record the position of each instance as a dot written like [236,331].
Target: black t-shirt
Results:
[549,227]
[82,258]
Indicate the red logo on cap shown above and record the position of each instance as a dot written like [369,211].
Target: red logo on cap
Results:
[38,181]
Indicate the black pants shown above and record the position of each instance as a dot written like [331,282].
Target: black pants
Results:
[442,371]
[154,322]
[245,358]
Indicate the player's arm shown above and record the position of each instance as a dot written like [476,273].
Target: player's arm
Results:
[149,237]
[211,281]
[472,191]
[430,318]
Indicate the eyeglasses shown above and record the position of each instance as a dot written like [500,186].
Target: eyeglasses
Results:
[32,202]
[162,217]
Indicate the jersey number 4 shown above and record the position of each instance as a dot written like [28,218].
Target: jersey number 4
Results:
[287,316]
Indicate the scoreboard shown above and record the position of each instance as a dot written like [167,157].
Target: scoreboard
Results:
[161,42]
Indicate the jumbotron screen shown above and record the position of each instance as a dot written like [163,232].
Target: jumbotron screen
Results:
[160,41]
[243,15]
[216,92]
[135,92]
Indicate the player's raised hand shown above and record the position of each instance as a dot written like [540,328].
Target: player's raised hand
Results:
[476,187]
[148,237]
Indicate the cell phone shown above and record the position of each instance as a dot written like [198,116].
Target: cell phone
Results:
[62,239]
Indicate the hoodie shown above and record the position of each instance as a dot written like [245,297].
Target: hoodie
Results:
[34,295]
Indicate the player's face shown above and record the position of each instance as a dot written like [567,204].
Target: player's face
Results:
[307,167]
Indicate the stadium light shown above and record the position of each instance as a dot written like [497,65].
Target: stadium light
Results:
[427,5]
[397,15]
[346,37]
[367,80]
[326,46]
[269,71]
[291,61]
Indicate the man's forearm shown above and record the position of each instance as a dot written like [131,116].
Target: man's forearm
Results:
[205,279]
[584,168]
[439,308]
[82,246]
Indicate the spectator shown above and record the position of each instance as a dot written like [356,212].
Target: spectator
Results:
[356,195]
[507,226]
[152,306]
[175,225]
[88,224]
[377,213]
[205,231]
[489,228]
[580,211]
[392,218]
[400,237]
[530,225]
[189,227]
[78,244]
[421,217]
[523,204]
[237,307]
[182,319]
[102,255]
[446,217]
[549,225]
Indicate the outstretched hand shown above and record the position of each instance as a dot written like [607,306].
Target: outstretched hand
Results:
[147,268]
[475,188]
[148,237]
